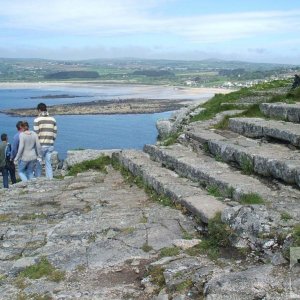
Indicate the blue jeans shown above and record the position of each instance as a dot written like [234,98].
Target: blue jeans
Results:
[26,169]
[46,156]
[12,173]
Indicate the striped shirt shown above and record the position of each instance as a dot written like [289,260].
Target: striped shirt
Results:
[45,127]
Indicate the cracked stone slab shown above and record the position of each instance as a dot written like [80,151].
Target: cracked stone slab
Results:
[284,111]
[202,168]
[167,182]
[273,160]
[89,233]
[257,128]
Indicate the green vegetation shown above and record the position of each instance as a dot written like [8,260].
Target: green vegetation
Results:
[296,236]
[33,216]
[286,216]
[98,164]
[157,276]
[218,236]
[43,269]
[72,75]
[171,139]
[171,251]
[214,191]
[246,165]
[213,106]
[185,285]
[137,180]
[252,198]
[207,73]
[146,247]
[4,217]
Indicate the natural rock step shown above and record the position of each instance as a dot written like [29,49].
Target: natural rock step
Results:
[266,159]
[206,170]
[284,111]
[257,128]
[167,182]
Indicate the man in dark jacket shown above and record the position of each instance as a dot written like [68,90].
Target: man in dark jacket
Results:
[6,164]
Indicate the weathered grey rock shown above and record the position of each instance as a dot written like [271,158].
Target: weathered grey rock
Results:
[265,159]
[257,128]
[283,111]
[206,170]
[249,223]
[260,282]
[78,156]
[168,183]
[89,228]
[176,120]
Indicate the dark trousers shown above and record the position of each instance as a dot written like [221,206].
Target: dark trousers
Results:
[11,171]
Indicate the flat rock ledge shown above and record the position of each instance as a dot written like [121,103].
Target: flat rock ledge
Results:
[105,238]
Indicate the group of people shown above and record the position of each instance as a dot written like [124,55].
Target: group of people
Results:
[29,148]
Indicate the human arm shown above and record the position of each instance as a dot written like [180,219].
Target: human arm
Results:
[15,146]
[20,148]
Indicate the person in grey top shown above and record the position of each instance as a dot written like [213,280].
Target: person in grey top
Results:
[29,152]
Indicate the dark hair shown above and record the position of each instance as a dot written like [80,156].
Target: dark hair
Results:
[25,125]
[3,137]
[42,107]
[19,125]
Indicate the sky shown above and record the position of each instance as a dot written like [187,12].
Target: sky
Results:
[248,30]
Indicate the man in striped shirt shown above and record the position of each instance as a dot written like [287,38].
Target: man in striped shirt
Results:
[45,127]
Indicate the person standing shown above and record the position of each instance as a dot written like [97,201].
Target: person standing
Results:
[46,129]
[6,164]
[29,152]
[16,140]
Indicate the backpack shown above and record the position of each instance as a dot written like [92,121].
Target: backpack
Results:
[8,162]
[7,152]
[2,156]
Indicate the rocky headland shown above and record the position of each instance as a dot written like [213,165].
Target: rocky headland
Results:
[119,106]
[211,211]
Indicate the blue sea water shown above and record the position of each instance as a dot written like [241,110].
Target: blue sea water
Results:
[84,131]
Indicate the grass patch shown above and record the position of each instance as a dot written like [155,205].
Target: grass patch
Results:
[296,236]
[224,123]
[143,219]
[185,285]
[218,235]
[186,235]
[214,191]
[5,217]
[246,165]
[171,251]
[98,164]
[213,106]
[157,276]
[32,217]
[252,198]
[43,269]
[171,139]
[127,230]
[146,247]
[285,216]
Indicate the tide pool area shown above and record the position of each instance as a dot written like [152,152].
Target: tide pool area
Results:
[83,131]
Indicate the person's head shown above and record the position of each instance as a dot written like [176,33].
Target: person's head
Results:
[4,137]
[41,107]
[25,126]
[19,125]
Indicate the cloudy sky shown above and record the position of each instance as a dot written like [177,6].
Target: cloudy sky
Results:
[250,30]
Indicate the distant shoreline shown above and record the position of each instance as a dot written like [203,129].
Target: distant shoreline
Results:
[141,99]
[84,84]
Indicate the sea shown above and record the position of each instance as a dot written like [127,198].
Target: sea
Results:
[130,131]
